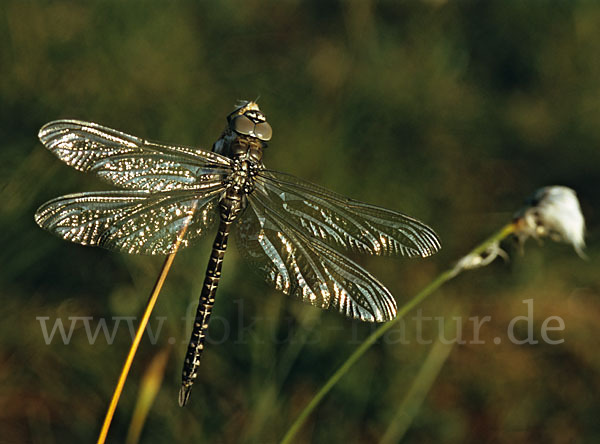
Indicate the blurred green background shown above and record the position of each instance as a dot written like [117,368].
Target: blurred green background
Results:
[451,112]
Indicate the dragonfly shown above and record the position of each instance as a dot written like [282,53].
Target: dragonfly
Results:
[295,233]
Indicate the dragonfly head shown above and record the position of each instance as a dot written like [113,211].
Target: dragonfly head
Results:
[246,134]
[248,120]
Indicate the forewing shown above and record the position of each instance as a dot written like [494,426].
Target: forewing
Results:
[308,268]
[131,162]
[129,221]
[344,223]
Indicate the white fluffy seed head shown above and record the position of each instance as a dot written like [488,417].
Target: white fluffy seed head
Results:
[555,212]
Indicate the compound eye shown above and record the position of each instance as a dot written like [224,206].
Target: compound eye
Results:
[242,125]
[263,131]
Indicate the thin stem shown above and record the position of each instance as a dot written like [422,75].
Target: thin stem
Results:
[357,354]
[141,328]
[134,346]
[150,385]
[420,386]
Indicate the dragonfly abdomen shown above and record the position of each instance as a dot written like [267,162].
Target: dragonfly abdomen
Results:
[230,209]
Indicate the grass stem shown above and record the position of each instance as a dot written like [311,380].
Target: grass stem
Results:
[360,351]
[134,346]
[141,329]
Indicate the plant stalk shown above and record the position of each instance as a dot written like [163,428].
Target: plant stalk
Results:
[360,351]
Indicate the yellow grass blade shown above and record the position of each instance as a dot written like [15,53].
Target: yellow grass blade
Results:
[140,332]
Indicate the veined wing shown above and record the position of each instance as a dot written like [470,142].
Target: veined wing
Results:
[131,162]
[341,222]
[131,221]
[308,268]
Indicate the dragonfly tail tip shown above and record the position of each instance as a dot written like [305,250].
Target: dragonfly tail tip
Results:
[184,394]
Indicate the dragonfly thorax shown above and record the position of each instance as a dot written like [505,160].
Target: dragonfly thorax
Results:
[234,146]
[241,180]
[238,186]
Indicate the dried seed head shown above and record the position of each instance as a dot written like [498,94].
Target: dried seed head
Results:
[553,212]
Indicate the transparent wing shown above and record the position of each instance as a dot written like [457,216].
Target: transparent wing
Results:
[309,269]
[130,162]
[129,221]
[344,223]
